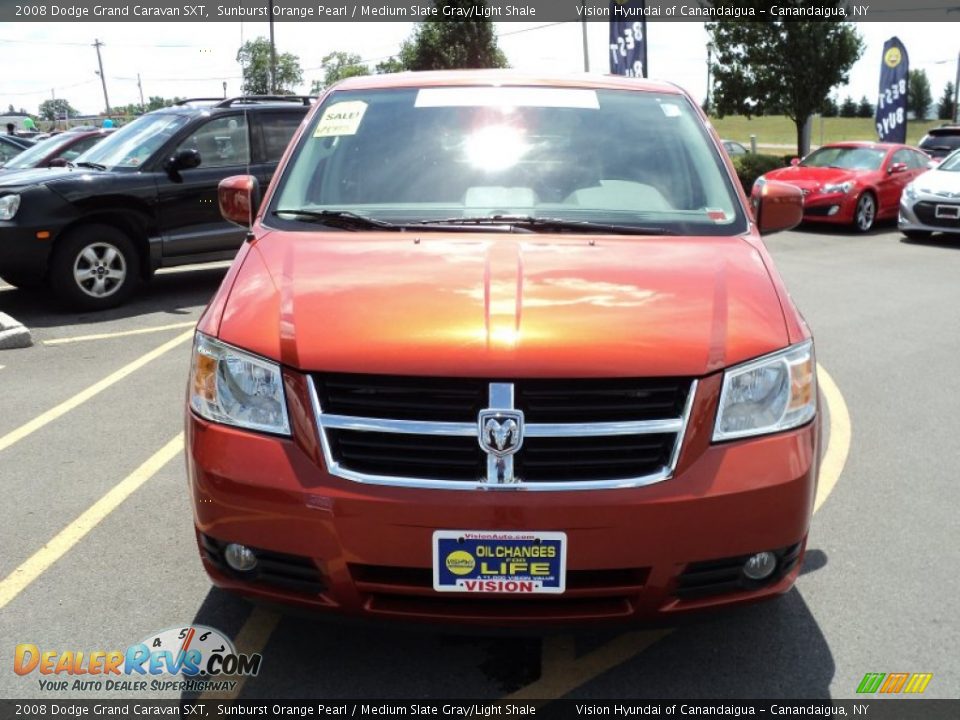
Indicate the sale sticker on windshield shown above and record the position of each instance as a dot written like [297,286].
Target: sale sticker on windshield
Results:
[341,119]
[499,562]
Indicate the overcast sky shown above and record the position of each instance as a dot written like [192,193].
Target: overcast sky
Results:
[194,59]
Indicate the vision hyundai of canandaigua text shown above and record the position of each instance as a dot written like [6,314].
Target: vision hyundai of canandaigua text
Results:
[506,350]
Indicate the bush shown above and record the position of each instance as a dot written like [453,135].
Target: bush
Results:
[751,166]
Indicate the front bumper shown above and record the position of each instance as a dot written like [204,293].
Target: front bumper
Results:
[646,554]
[834,208]
[919,215]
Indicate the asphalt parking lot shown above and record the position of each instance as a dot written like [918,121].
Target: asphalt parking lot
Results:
[97,548]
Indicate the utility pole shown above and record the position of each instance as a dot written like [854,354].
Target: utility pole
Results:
[140,88]
[97,44]
[273,55]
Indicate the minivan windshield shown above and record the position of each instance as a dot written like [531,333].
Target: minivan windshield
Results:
[557,159]
[133,144]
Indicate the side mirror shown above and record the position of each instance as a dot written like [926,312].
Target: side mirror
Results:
[794,162]
[57,162]
[183,160]
[776,206]
[897,168]
[239,199]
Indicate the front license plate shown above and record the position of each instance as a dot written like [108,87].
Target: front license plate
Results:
[520,563]
[948,212]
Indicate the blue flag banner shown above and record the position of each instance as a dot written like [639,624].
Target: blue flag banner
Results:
[628,38]
[892,103]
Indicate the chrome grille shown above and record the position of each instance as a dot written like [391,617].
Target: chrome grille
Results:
[573,434]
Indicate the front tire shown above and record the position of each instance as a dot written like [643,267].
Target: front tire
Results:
[94,267]
[866,213]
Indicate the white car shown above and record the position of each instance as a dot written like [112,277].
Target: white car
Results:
[931,203]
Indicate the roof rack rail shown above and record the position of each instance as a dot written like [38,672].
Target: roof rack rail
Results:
[184,101]
[228,102]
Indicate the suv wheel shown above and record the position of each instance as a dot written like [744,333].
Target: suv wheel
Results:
[95,267]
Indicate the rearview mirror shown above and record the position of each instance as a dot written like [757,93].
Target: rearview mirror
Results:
[239,199]
[776,206]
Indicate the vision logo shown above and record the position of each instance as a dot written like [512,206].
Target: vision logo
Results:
[893,683]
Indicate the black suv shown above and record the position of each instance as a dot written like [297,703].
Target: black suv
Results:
[142,199]
[940,142]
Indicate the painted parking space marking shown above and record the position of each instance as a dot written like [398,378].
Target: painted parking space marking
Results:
[18,580]
[838,444]
[81,397]
[119,333]
[252,638]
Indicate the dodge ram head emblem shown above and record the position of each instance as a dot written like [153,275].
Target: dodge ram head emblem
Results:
[501,431]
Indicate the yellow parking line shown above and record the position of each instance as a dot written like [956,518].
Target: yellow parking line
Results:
[120,333]
[252,638]
[67,405]
[62,542]
[838,445]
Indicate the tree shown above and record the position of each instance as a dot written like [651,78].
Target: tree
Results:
[945,109]
[849,108]
[780,67]
[390,65]
[254,58]
[155,102]
[337,66]
[829,108]
[919,98]
[865,108]
[57,108]
[444,44]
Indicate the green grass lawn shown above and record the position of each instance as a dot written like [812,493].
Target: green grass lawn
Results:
[779,130]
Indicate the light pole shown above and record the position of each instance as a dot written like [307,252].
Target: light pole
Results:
[706,103]
[273,56]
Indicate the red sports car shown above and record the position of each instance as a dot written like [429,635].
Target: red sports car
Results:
[853,183]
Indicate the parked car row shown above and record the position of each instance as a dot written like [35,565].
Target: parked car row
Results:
[142,198]
[858,183]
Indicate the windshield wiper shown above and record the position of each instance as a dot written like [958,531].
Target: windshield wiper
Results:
[95,166]
[548,224]
[342,219]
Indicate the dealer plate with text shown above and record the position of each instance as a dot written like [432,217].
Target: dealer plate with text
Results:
[520,563]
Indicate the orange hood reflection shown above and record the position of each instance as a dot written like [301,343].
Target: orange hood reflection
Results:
[503,305]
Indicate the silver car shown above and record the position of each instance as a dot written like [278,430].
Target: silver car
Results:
[931,203]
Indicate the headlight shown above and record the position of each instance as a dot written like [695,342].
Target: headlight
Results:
[9,204]
[910,192]
[777,392]
[232,387]
[843,187]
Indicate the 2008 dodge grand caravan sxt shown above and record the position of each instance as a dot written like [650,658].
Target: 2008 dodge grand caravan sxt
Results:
[504,349]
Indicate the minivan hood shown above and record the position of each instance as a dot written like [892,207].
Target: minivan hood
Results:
[486,305]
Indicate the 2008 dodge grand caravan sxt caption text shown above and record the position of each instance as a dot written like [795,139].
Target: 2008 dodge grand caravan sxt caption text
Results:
[504,349]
